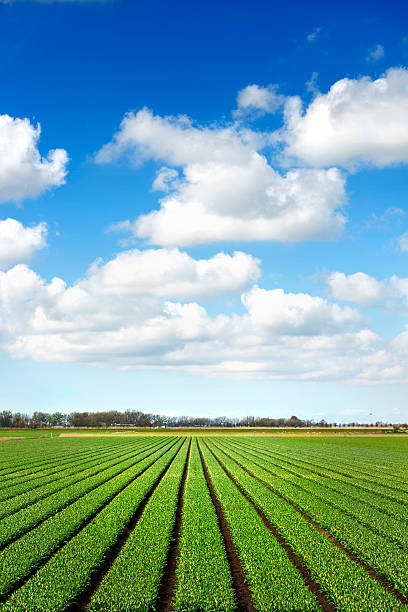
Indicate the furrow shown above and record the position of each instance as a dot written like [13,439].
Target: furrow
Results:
[166,591]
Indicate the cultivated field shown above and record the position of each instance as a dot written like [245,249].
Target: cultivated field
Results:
[204,523]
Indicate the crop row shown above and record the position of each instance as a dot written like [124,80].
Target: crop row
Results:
[347,584]
[133,581]
[19,558]
[281,587]
[331,471]
[55,585]
[23,520]
[384,556]
[34,483]
[348,468]
[338,484]
[65,478]
[373,515]
[24,465]
[203,577]
[50,468]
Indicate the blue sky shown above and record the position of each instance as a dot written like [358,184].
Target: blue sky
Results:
[226,213]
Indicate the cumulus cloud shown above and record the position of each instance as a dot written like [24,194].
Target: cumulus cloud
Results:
[135,312]
[19,243]
[23,172]
[113,316]
[255,98]
[172,274]
[365,290]
[357,121]
[227,189]
[298,313]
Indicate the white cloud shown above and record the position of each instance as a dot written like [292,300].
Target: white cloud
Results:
[256,98]
[119,315]
[365,290]
[176,141]
[298,313]
[375,53]
[357,121]
[171,274]
[359,288]
[390,215]
[227,190]
[23,172]
[311,84]
[19,243]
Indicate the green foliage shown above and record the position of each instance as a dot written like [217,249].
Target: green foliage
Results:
[203,578]
[134,579]
[65,502]
[274,581]
[57,583]
[347,584]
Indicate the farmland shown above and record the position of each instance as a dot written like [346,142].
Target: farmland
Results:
[187,522]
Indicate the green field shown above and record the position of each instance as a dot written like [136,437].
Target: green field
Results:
[204,523]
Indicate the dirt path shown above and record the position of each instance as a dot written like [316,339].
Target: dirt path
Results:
[246,434]
[17,438]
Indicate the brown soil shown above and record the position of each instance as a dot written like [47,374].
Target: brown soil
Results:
[165,595]
[16,438]
[243,434]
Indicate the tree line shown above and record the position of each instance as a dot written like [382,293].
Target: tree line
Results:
[114,418]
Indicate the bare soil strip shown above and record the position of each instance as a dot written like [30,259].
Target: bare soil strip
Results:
[235,434]
[82,601]
[17,585]
[164,601]
[4,439]
[370,570]
[241,588]
[321,598]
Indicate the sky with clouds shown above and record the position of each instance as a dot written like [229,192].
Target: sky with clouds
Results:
[204,208]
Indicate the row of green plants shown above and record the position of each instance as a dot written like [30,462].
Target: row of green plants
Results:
[25,463]
[369,484]
[377,550]
[350,488]
[347,584]
[29,483]
[133,581]
[25,519]
[359,469]
[273,580]
[384,556]
[19,558]
[203,578]
[362,510]
[71,475]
